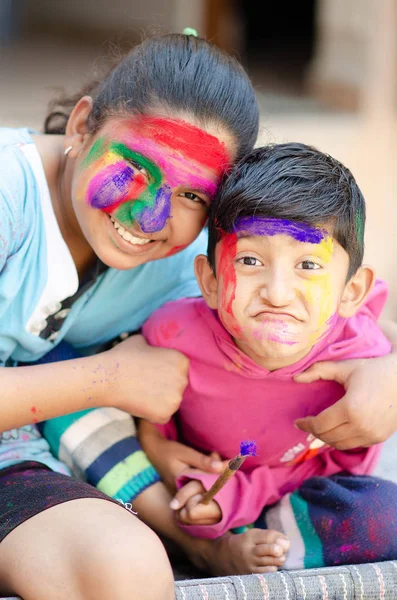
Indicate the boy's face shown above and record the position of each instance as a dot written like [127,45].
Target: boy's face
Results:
[279,287]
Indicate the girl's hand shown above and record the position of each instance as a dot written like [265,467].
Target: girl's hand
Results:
[367,414]
[172,459]
[145,381]
[190,512]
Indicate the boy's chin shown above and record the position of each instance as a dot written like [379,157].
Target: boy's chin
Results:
[274,354]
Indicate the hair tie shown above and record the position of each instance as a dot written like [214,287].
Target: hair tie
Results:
[190,31]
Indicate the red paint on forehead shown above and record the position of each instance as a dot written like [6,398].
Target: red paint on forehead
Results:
[190,141]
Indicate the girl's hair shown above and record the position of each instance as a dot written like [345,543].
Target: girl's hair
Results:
[173,72]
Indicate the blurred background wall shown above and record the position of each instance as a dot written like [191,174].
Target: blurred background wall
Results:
[324,70]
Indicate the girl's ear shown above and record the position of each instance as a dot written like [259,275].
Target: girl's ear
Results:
[356,291]
[206,280]
[76,127]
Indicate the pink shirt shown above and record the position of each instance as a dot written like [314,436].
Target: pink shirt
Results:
[230,398]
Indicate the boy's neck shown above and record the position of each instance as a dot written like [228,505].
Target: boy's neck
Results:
[272,363]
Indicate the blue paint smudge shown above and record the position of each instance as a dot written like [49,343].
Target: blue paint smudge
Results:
[113,189]
[154,218]
[302,232]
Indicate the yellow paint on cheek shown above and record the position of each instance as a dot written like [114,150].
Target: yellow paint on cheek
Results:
[318,292]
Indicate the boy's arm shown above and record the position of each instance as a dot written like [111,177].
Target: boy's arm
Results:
[171,458]
[241,500]
[245,495]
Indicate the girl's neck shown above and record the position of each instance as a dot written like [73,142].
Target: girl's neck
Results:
[59,178]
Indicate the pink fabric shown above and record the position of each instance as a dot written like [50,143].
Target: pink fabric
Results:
[230,398]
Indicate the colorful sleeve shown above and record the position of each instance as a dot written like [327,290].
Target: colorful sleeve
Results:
[241,500]
[100,447]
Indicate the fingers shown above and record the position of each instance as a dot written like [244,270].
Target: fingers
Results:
[331,371]
[195,513]
[184,493]
[197,460]
[330,418]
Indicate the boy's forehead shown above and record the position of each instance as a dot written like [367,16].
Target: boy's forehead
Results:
[264,226]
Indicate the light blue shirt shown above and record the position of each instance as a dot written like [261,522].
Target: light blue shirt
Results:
[37,272]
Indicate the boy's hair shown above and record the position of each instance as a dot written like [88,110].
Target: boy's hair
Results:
[173,73]
[295,182]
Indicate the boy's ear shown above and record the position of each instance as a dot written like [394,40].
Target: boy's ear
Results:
[206,280]
[76,127]
[356,291]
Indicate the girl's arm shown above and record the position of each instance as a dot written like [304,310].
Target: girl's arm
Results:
[367,413]
[144,381]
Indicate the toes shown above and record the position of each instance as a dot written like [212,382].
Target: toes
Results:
[273,550]
[270,561]
[269,537]
[266,570]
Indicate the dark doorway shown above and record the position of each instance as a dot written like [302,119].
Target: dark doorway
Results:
[278,42]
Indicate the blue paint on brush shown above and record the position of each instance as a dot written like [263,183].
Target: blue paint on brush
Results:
[248,448]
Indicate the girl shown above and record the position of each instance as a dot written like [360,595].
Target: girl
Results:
[94,219]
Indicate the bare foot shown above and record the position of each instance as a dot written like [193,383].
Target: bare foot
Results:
[255,551]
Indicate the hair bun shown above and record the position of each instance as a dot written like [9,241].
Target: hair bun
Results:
[190,31]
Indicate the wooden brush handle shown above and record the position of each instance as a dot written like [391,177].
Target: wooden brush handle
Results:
[223,478]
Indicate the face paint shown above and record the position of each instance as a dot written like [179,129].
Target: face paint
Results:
[227,272]
[297,319]
[133,177]
[176,249]
[302,232]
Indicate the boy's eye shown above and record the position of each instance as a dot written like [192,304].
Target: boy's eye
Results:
[308,265]
[250,261]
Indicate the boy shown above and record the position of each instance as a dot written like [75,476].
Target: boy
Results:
[283,287]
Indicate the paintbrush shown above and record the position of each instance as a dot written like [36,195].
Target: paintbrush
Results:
[247,448]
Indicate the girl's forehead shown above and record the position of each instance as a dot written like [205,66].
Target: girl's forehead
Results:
[177,136]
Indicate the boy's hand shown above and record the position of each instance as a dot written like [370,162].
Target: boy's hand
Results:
[190,512]
[367,414]
[172,459]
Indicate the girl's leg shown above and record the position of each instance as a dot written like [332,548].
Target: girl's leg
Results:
[343,519]
[85,549]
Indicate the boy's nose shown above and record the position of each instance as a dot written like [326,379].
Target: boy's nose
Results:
[154,217]
[277,290]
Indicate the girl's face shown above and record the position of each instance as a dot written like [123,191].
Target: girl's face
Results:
[142,190]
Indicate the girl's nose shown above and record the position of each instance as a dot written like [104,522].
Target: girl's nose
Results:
[153,218]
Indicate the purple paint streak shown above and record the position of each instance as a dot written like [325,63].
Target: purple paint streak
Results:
[302,232]
[154,218]
[248,448]
[110,186]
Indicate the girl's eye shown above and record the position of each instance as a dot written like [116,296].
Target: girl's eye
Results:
[309,265]
[250,261]
[139,168]
[194,197]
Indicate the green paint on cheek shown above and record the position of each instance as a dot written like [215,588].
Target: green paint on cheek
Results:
[95,153]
